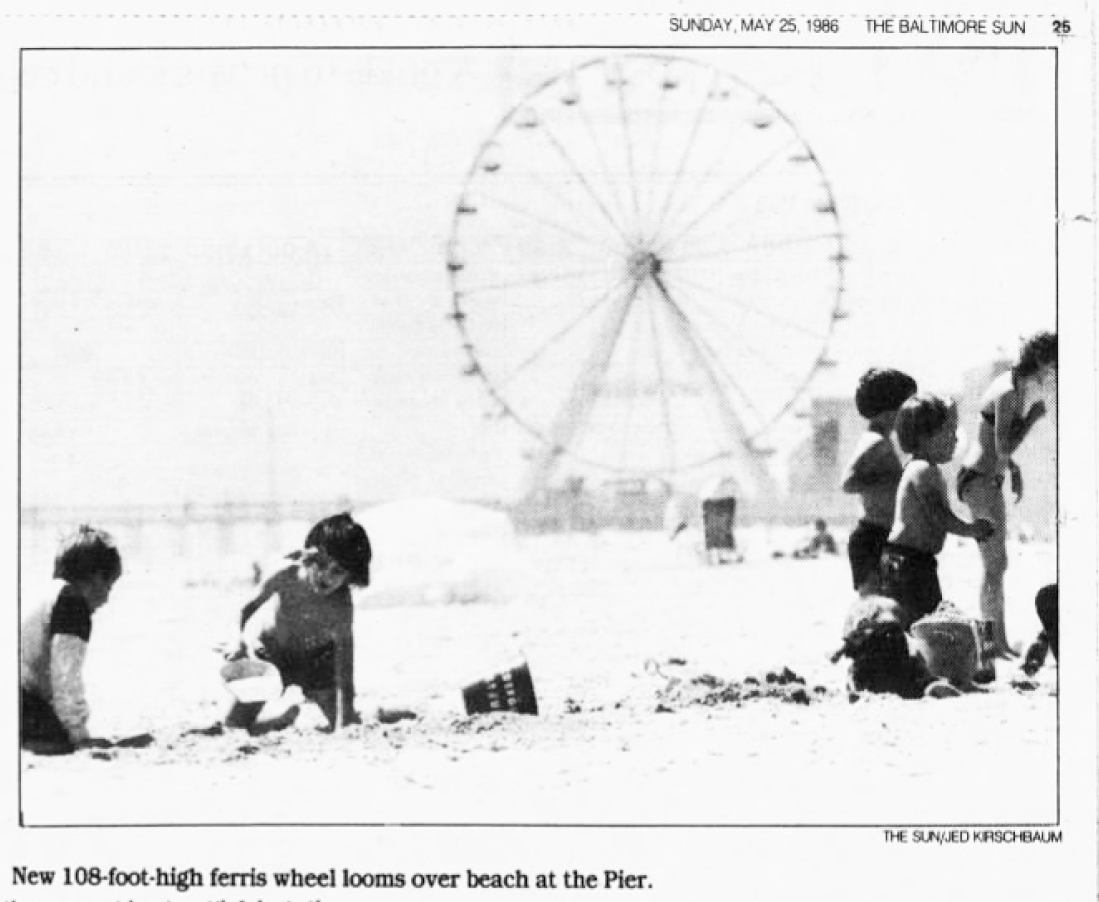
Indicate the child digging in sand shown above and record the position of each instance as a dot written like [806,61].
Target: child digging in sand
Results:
[874,471]
[301,622]
[927,429]
[54,639]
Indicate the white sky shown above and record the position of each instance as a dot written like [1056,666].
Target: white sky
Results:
[233,278]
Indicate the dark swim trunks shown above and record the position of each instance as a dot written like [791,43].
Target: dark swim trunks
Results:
[864,548]
[911,578]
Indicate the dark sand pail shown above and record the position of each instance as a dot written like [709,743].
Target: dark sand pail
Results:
[510,691]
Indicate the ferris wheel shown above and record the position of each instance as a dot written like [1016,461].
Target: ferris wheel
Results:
[647,266]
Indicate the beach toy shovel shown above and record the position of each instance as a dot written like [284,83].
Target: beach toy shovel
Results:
[512,691]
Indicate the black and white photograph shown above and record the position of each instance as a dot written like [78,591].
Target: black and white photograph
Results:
[548,435]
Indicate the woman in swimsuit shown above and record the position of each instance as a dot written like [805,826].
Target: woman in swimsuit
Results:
[1013,403]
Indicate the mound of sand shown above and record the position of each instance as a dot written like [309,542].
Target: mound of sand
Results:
[432,551]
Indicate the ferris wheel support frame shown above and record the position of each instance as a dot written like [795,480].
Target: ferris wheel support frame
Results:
[581,398]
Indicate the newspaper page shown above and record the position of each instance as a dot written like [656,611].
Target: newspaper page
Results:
[591,451]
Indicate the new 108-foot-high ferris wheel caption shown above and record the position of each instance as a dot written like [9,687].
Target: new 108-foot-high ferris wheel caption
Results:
[647,266]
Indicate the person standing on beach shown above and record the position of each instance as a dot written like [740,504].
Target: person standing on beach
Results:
[874,471]
[1010,407]
[54,637]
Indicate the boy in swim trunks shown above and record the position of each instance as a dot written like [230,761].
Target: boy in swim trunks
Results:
[301,620]
[875,471]
[927,429]
[1011,406]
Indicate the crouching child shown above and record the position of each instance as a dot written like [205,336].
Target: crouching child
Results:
[54,637]
[303,617]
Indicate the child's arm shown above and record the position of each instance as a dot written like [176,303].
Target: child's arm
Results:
[1011,429]
[930,490]
[871,466]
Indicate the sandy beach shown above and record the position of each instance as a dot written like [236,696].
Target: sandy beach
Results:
[666,689]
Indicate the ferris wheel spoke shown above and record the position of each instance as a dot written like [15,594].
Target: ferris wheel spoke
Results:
[665,405]
[750,248]
[583,179]
[744,305]
[597,147]
[708,356]
[725,197]
[652,188]
[696,125]
[587,240]
[701,181]
[536,280]
[624,117]
[563,333]
[726,330]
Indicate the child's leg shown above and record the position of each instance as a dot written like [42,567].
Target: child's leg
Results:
[40,729]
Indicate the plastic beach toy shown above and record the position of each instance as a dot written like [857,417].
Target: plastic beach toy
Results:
[510,691]
[951,648]
[252,682]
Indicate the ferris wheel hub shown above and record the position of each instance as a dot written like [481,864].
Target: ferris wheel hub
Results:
[642,265]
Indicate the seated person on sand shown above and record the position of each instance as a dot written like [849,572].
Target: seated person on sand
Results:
[875,639]
[302,622]
[54,639]
[821,542]
[1045,603]
[927,429]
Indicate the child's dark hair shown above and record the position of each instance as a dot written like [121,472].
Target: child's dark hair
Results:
[86,553]
[882,390]
[346,542]
[921,416]
[1036,352]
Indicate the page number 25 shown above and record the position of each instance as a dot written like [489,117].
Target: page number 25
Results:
[1062,27]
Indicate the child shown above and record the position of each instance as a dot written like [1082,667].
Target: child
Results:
[54,641]
[875,471]
[927,429]
[1010,407]
[821,542]
[875,640]
[302,619]
[1046,604]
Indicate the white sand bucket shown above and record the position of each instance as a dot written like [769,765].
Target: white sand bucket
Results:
[252,682]
[951,648]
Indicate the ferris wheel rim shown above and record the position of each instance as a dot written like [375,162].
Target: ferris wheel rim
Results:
[835,309]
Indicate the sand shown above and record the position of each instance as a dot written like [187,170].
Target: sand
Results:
[655,706]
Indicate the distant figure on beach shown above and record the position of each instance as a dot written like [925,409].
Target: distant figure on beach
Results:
[1013,403]
[301,621]
[927,429]
[821,542]
[874,471]
[719,501]
[1045,604]
[54,639]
